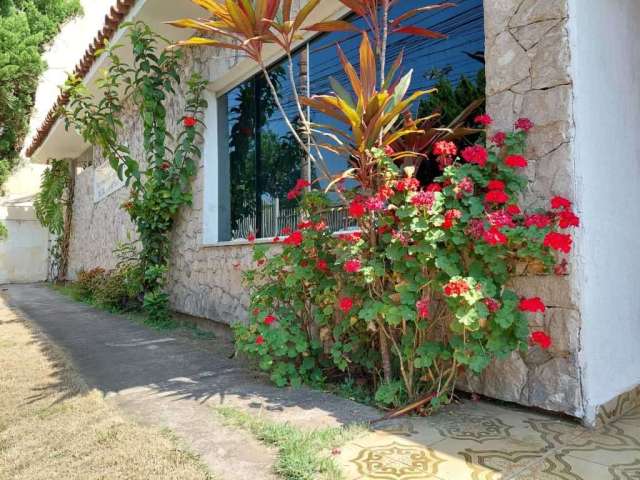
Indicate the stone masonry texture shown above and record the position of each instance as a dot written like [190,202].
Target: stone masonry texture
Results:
[527,52]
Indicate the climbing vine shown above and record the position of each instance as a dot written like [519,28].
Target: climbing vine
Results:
[160,183]
[53,210]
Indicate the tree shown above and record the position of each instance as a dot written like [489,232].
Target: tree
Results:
[25,28]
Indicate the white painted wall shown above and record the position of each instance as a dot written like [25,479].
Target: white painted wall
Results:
[606,72]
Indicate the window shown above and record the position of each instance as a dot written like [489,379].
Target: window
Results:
[260,161]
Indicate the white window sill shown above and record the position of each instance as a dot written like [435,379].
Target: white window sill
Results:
[243,242]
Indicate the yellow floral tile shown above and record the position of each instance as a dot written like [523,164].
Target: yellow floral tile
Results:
[560,467]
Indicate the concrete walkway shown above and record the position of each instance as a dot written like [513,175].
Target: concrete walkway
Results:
[172,381]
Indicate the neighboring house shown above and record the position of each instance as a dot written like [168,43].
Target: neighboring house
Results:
[572,70]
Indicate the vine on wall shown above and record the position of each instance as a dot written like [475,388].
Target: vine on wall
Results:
[160,183]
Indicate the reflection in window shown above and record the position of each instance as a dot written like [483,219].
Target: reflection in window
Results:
[262,161]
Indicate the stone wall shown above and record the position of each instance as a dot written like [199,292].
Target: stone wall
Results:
[528,58]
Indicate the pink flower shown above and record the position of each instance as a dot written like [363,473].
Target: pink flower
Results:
[516,161]
[269,320]
[492,305]
[532,305]
[494,236]
[476,228]
[500,218]
[352,266]
[475,154]
[483,119]
[422,307]
[423,199]
[523,124]
[445,148]
[466,185]
[541,339]
[499,138]
[374,204]
[388,150]
[346,304]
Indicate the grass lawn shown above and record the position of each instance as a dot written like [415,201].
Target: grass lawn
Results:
[53,427]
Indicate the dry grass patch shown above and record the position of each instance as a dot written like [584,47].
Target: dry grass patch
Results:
[53,427]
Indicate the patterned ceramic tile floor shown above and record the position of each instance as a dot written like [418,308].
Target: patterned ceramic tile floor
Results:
[483,441]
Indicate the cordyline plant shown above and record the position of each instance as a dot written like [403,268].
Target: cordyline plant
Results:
[419,292]
[160,183]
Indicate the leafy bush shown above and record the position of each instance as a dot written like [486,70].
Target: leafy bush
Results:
[89,281]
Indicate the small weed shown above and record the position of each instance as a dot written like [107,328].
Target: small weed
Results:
[302,454]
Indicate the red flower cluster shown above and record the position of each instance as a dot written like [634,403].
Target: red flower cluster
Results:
[465,185]
[351,237]
[407,184]
[301,184]
[322,265]
[450,217]
[500,218]
[523,124]
[434,187]
[346,304]
[568,219]
[352,266]
[294,239]
[496,196]
[445,148]
[422,307]
[423,199]
[541,339]
[513,209]
[516,161]
[494,236]
[533,305]
[495,185]
[560,203]
[189,122]
[259,340]
[251,237]
[492,305]
[483,119]
[498,139]
[455,288]
[558,241]
[269,320]
[537,220]
[357,208]
[475,154]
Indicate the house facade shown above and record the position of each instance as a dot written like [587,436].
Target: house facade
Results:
[547,60]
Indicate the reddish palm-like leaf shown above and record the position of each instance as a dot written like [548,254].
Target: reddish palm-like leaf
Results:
[419,31]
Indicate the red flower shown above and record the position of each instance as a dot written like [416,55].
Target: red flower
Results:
[259,340]
[251,237]
[322,265]
[165,166]
[255,311]
[189,122]
[352,237]
[422,306]
[466,185]
[494,236]
[533,305]
[434,187]
[374,204]
[475,154]
[560,202]
[500,218]
[352,266]
[300,185]
[541,339]
[305,224]
[388,150]
[516,161]
[499,138]
[568,219]
[562,268]
[523,124]
[496,196]
[483,120]
[495,185]
[455,288]
[558,241]
[476,228]
[423,199]
[382,229]
[537,220]
[269,319]
[492,304]
[407,184]
[356,209]
[320,226]
[445,148]
[294,239]
[346,304]
[285,230]
[450,217]
[513,209]
[385,192]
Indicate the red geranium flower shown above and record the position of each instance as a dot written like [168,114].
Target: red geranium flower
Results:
[516,161]
[165,166]
[352,266]
[499,138]
[455,288]
[533,305]
[476,228]
[434,187]
[269,319]
[483,119]
[300,185]
[445,148]
[322,265]
[422,306]
[494,236]
[423,199]
[541,339]
[475,154]
[189,122]
[346,304]
[388,150]
[407,184]
[537,220]
[558,241]
[513,209]
[285,230]
[496,196]
[523,124]
[305,224]
[466,185]
[385,192]
[294,239]
[500,218]
[450,217]
[251,237]
[356,209]
[492,304]
[568,219]
[259,340]
[560,202]
[495,185]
